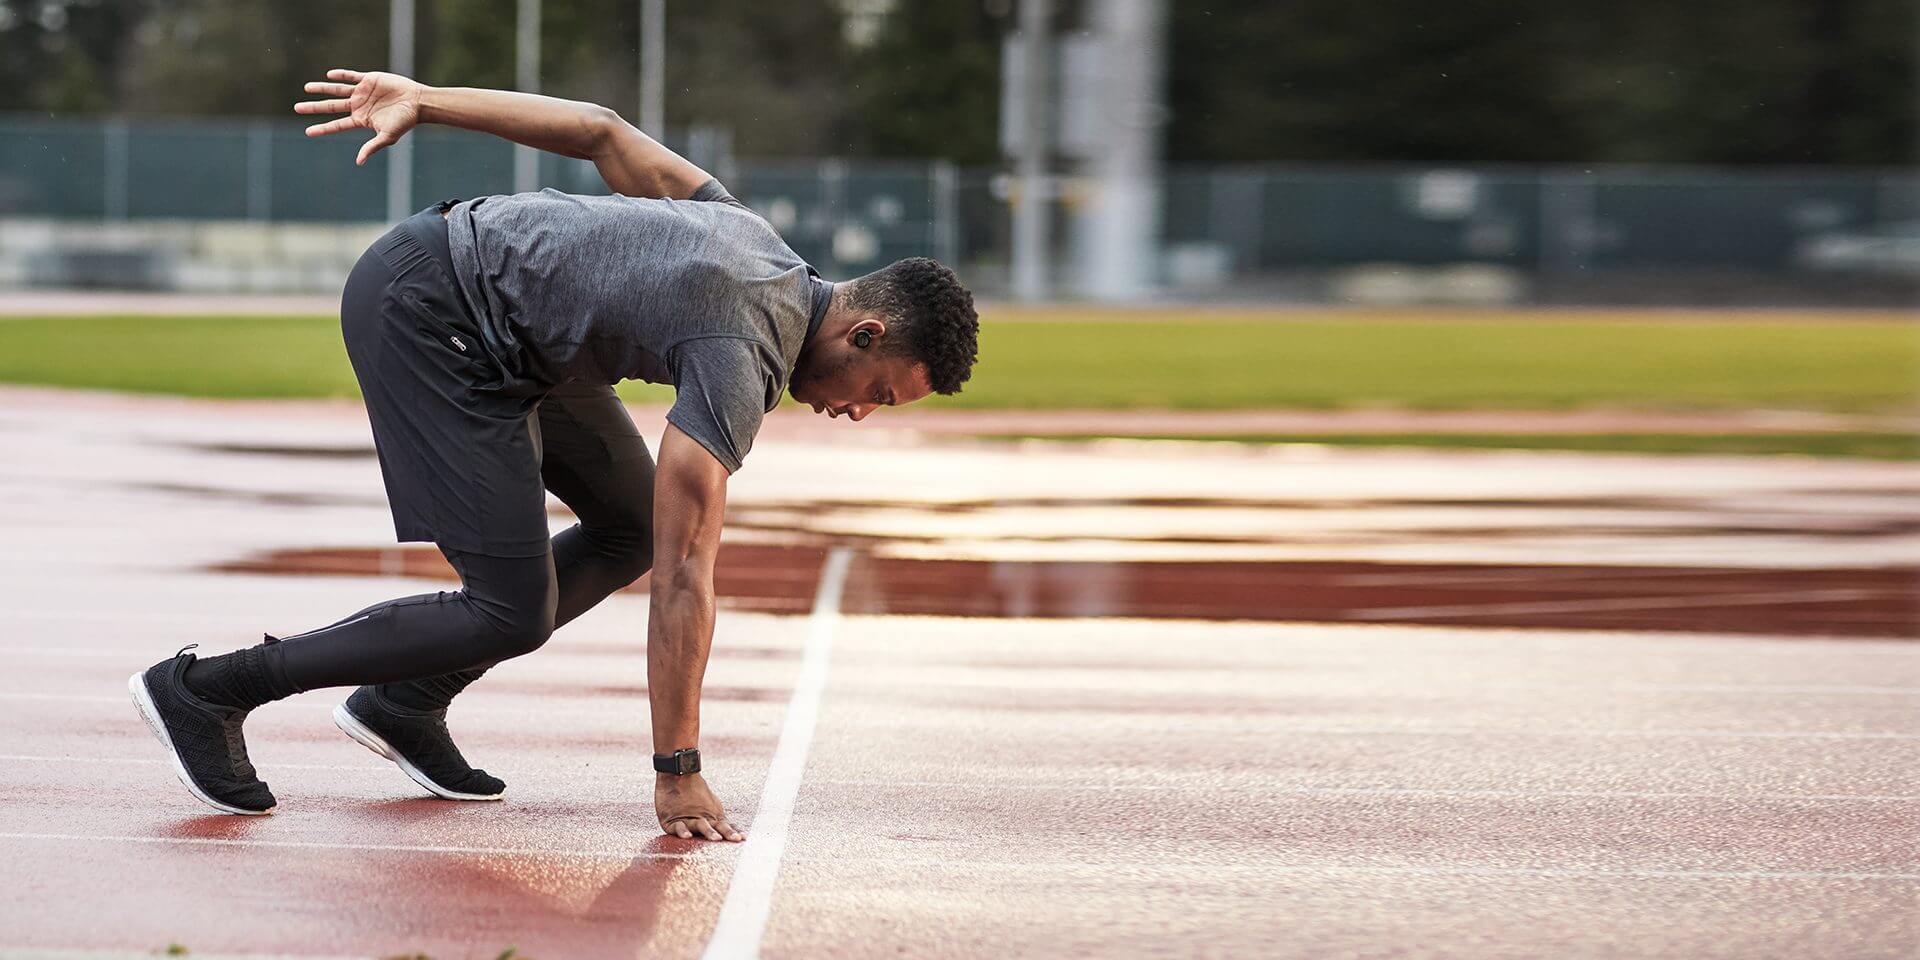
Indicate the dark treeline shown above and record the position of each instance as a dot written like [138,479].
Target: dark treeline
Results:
[1321,81]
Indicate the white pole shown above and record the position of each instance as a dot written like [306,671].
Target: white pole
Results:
[400,155]
[117,159]
[1125,212]
[260,170]
[1030,213]
[653,69]
[945,183]
[526,160]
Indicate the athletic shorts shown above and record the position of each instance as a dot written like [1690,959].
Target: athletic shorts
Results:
[458,438]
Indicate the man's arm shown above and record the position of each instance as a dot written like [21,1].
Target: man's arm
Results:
[690,496]
[630,162]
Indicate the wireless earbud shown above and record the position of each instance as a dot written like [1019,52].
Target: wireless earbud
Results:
[861,338]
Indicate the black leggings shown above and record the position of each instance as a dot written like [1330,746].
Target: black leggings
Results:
[594,460]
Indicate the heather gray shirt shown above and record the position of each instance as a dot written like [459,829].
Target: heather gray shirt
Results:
[699,293]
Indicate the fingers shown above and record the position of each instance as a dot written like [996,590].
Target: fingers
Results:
[714,828]
[350,76]
[380,141]
[330,89]
[332,126]
[320,106]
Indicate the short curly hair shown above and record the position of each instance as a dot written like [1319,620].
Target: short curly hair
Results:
[929,316]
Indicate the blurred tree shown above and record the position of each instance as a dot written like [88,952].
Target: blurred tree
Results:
[1711,81]
[63,56]
[469,43]
[926,80]
[772,72]
[216,56]
[1333,80]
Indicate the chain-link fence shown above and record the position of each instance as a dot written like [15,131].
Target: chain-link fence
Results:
[1221,227]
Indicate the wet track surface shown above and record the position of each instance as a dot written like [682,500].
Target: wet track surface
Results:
[1192,705]
[1873,602]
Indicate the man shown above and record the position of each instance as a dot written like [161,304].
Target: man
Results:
[486,336]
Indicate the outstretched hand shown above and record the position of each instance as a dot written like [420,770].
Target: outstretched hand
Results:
[386,103]
[687,808]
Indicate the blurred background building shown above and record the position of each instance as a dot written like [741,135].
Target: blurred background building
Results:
[1134,150]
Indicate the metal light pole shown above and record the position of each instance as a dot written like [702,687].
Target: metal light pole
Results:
[1122,221]
[526,160]
[653,69]
[400,155]
[1030,223]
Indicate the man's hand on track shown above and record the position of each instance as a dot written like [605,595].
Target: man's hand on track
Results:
[386,103]
[687,808]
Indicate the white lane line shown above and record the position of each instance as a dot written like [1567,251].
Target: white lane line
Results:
[1627,604]
[743,915]
[1110,870]
[88,953]
[1283,791]
[1278,727]
[1424,686]
[376,847]
[1359,731]
[70,697]
[1259,790]
[94,616]
[1201,872]
[1761,689]
[41,758]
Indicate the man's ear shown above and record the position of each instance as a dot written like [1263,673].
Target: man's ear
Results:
[864,332]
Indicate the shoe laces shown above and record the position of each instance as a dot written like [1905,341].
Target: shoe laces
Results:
[236,742]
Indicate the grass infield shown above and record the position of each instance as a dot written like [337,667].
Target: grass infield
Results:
[1865,445]
[1283,361]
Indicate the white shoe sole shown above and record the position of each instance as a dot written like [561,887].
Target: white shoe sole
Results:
[137,685]
[362,734]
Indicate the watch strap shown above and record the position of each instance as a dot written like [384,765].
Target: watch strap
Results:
[679,763]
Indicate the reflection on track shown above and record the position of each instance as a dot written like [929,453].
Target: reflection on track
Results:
[1846,602]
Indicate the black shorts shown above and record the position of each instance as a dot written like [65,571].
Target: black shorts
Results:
[461,441]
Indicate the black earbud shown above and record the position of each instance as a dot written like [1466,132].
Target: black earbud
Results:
[861,338]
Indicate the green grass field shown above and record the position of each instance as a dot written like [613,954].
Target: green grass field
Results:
[1074,360]
[1872,445]
[1206,364]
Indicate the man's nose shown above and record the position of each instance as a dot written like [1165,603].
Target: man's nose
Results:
[858,413]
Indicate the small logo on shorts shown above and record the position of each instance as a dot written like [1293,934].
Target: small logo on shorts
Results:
[456,342]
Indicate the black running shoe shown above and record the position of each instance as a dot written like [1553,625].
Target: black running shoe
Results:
[209,753]
[417,742]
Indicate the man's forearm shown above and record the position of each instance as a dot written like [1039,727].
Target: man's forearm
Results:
[566,127]
[679,636]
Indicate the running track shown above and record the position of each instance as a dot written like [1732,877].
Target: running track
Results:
[932,786]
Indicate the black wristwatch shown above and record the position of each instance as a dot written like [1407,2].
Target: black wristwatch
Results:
[681,763]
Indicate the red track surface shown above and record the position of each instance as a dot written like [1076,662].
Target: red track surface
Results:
[976,788]
[1728,767]
[1865,602]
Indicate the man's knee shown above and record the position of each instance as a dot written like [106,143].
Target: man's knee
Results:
[514,600]
[521,632]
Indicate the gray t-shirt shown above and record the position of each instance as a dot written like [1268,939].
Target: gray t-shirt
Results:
[699,293]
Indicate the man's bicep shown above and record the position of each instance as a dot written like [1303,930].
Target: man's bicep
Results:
[689,505]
